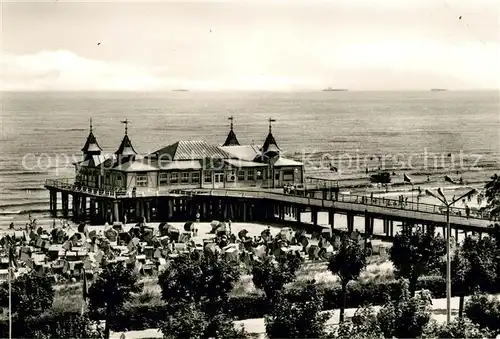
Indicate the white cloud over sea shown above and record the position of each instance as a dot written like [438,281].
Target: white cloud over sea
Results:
[392,66]
[235,45]
[64,70]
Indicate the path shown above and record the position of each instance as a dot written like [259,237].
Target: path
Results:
[257,325]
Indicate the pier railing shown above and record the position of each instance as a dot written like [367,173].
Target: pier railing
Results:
[66,184]
[345,198]
[296,197]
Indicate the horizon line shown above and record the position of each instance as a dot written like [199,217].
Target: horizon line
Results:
[184,90]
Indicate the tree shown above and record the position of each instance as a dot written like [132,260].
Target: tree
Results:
[405,317]
[301,319]
[402,317]
[473,267]
[492,193]
[209,279]
[484,311]
[362,325]
[63,325]
[185,320]
[189,320]
[272,276]
[459,328]
[112,288]
[198,288]
[347,263]
[415,253]
[31,295]
[496,254]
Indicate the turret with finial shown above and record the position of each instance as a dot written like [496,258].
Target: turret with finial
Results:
[91,146]
[126,149]
[231,139]
[270,147]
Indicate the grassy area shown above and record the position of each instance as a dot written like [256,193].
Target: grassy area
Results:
[69,296]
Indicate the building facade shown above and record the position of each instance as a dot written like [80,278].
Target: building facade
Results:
[187,164]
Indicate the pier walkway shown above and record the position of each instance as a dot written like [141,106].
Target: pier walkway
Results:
[346,203]
[258,204]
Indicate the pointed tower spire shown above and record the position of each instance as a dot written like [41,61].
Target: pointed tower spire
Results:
[126,125]
[271,120]
[126,149]
[270,147]
[91,146]
[231,139]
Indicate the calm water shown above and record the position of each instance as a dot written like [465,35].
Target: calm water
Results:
[355,131]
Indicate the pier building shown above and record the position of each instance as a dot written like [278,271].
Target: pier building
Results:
[194,180]
[187,164]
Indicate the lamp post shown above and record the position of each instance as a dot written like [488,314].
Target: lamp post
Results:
[441,197]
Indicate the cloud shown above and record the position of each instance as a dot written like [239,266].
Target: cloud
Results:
[64,70]
[383,65]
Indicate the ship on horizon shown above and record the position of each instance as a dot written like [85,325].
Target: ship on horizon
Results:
[180,90]
[438,89]
[330,89]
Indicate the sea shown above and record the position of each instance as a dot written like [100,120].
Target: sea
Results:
[343,136]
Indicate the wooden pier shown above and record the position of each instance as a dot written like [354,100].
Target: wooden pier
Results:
[99,206]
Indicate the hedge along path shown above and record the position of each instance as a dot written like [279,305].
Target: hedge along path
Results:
[257,325]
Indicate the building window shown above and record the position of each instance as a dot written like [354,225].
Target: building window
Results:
[241,175]
[141,180]
[249,174]
[195,177]
[184,177]
[107,179]
[163,179]
[119,181]
[219,177]
[174,178]
[207,177]
[287,175]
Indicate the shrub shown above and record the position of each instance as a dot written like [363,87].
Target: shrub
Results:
[484,311]
[300,319]
[458,328]
[31,295]
[271,276]
[51,325]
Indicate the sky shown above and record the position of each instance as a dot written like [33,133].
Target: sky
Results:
[243,45]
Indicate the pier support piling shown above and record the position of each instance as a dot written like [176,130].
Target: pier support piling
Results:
[116,216]
[350,222]
[331,219]
[314,216]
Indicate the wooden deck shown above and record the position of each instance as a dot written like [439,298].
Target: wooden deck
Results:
[378,207]
[319,200]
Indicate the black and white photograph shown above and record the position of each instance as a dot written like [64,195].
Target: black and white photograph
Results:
[250,169]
